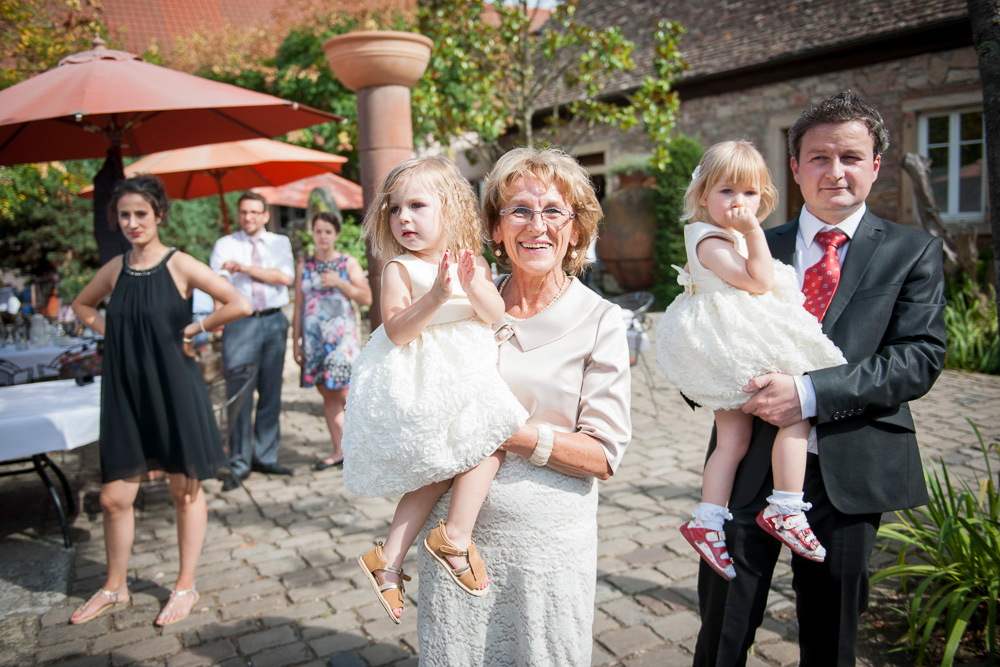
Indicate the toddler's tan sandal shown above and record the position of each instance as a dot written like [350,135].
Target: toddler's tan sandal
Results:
[390,594]
[468,577]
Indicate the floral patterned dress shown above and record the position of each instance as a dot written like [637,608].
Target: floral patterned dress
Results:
[329,329]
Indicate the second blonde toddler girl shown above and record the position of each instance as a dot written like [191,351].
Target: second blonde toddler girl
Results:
[741,315]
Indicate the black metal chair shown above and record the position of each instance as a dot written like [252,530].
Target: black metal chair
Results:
[639,303]
[229,392]
[80,360]
[11,372]
[39,463]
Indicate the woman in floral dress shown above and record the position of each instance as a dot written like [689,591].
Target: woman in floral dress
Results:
[324,327]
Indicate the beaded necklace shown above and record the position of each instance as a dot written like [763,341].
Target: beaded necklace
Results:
[566,281]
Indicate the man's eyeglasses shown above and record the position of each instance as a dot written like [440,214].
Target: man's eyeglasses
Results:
[552,216]
[249,213]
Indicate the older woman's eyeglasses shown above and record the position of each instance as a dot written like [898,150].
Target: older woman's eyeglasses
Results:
[552,216]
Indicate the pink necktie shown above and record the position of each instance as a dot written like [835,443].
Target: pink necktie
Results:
[259,300]
[820,280]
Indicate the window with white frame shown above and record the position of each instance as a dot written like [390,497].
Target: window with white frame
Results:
[955,143]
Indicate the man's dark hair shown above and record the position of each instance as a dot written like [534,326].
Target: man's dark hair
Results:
[843,107]
[147,186]
[251,196]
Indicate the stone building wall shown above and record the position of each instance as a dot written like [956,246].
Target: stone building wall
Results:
[898,89]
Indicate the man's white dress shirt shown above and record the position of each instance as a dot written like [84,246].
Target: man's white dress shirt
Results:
[807,253]
[275,252]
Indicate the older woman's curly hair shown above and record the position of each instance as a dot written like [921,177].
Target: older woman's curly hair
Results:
[549,166]
[459,209]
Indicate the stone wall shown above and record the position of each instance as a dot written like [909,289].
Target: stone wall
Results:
[763,114]
[900,89]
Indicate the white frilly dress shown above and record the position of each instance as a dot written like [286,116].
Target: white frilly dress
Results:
[715,337]
[424,411]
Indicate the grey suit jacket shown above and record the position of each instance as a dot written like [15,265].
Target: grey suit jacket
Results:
[887,318]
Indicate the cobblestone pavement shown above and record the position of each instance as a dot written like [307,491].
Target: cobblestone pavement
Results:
[284,589]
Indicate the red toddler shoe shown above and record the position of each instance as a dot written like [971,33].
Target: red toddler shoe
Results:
[711,546]
[793,530]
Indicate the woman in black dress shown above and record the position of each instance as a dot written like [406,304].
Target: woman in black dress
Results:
[155,409]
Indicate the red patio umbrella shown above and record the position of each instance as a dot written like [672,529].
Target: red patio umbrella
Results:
[348,195]
[200,171]
[105,102]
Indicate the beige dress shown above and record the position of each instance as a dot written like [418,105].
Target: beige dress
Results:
[537,531]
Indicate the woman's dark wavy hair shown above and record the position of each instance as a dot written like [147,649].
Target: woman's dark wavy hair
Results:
[147,186]
[326,216]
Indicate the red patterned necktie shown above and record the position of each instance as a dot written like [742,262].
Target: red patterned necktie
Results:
[820,280]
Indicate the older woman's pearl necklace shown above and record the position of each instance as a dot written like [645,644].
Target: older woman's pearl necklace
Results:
[562,288]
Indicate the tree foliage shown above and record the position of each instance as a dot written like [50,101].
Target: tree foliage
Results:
[672,180]
[35,36]
[299,71]
[655,103]
[498,66]
[44,226]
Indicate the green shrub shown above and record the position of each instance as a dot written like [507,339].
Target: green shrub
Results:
[950,549]
[668,247]
[970,317]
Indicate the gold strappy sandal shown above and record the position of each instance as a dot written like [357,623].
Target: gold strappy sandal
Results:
[390,594]
[468,577]
[109,600]
[174,595]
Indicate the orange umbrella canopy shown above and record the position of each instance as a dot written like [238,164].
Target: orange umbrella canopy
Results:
[348,195]
[101,99]
[188,173]
[200,171]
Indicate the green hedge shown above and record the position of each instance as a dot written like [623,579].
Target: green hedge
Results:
[668,247]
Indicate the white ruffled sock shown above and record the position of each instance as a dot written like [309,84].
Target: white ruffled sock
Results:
[789,502]
[712,516]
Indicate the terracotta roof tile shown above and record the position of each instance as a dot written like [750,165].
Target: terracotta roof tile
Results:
[165,20]
[731,34]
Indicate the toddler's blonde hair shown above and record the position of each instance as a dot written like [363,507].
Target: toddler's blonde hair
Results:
[458,206]
[735,162]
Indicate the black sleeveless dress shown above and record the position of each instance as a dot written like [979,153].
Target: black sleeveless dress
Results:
[155,409]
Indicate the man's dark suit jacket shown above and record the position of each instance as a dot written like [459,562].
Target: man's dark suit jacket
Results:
[886,317]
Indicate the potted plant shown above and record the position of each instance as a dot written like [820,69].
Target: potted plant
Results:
[628,231]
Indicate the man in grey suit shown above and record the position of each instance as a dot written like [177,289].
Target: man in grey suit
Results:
[886,315]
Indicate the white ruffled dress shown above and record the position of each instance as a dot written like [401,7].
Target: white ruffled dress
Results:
[424,411]
[715,337]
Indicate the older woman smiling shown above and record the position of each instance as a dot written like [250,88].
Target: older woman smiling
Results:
[566,360]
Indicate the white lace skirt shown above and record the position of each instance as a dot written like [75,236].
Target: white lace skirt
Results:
[710,345]
[537,532]
[425,411]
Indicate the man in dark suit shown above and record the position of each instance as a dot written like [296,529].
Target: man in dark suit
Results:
[886,315]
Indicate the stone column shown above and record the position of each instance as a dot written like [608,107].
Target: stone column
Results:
[380,66]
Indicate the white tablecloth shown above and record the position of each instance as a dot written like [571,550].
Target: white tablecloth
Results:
[48,416]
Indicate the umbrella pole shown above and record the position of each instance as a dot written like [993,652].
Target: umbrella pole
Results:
[217,175]
[110,240]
